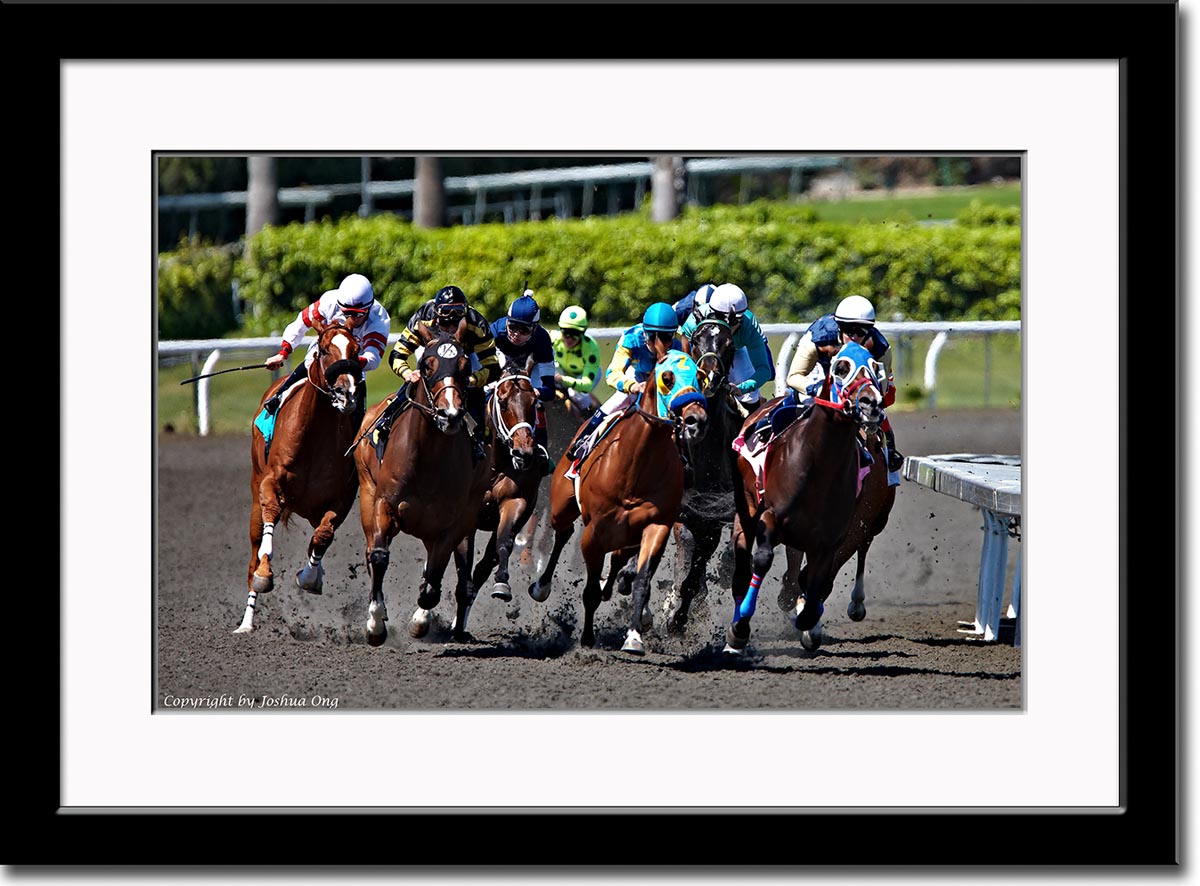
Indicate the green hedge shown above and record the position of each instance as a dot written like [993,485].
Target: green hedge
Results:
[195,296]
[792,267]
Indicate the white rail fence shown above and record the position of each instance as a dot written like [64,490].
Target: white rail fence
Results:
[205,353]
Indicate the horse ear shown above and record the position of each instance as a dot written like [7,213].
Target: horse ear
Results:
[462,327]
[529,364]
[424,333]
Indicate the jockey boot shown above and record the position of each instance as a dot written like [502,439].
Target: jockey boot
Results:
[593,423]
[272,404]
[895,457]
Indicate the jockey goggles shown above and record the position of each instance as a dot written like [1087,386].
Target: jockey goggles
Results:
[518,328]
[450,313]
[854,330]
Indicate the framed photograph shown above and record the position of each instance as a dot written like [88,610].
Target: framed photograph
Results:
[1084,754]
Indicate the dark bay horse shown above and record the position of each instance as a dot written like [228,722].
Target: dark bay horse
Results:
[870,517]
[306,471]
[426,485]
[629,491]
[809,494]
[516,472]
[708,505]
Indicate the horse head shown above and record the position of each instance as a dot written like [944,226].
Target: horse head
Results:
[854,384]
[337,366]
[514,411]
[711,346]
[678,396]
[444,369]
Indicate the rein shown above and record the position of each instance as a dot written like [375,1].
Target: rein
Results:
[503,431]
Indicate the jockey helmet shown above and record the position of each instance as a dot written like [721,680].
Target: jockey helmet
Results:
[574,318]
[728,298]
[525,310]
[449,305]
[855,310]
[660,317]
[703,295]
[355,294]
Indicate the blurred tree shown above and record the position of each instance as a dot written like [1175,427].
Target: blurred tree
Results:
[262,199]
[429,194]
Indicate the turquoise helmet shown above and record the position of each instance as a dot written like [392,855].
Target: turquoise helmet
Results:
[660,317]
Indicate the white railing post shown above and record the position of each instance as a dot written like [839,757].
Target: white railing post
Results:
[202,392]
[783,361]
[935,348]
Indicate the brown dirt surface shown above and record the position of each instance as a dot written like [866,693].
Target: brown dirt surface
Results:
[907,654]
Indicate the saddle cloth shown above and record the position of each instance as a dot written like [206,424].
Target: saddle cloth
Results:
[596,436]
[265,422]
[755,455]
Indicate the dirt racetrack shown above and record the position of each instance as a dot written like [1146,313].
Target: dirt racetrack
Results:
[921,580]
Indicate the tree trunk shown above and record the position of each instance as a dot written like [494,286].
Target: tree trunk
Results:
[667,188]
[429,198]
[262,201]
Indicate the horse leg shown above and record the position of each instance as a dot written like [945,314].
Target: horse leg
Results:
[464,591]
[256,538]
[857,610]
[437,557]
[269,510]
[379,529]
[738,634]
[311,577]
[789,590]
[816,584]
[764,554]
[620,573]
[513,515]
[654,542]
[593,558]
[486,562]
[540,588]
[695,582]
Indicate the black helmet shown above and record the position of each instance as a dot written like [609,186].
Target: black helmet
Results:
[450,304]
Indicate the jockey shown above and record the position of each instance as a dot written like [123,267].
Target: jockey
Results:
[518,335]
[576,359]
[694,302]
[853,320]
[752,364]
[354,304]
[442,313]
[632,363]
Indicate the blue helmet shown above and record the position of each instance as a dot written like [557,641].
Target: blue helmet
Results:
[525,310]
[660,317]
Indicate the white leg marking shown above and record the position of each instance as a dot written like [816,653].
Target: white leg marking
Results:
[264,548]
[248,619]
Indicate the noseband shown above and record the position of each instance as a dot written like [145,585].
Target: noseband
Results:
[503,431]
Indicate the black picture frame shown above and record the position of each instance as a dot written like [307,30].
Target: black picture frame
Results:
[1145,831]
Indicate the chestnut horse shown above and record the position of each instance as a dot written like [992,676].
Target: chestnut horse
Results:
[870,517]
[629,491]
[425,485]
[516,472]
[809,493]
[708,504]
[306,471]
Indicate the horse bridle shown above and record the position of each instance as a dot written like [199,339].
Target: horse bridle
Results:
[431,394]
[507,432]
[713,321]
[345,365]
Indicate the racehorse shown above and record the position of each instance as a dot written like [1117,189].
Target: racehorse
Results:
[629,491]
[708,505]
[305,471]
[808,494]
[516,472]
[870,517]
[425,485]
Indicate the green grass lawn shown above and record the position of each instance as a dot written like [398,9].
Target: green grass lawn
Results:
[962,382]
[946,204]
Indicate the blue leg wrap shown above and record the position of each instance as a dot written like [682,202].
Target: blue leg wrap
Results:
[745,609]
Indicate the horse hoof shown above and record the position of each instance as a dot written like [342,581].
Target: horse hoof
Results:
[538,593]
[633,643]
[734,643]
[856,610]
[811,639]
[502,591]
[261,584]
[807,616]
[377,639]
[243,629]
[732,651]
[419,626]
[315,589]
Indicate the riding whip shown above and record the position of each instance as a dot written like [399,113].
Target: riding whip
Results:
[223,371]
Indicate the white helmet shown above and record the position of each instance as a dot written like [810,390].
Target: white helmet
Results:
[728,298]
[703,295]
[855,309]
[355,293]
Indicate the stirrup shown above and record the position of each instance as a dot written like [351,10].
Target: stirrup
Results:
[895,459]
[272,405]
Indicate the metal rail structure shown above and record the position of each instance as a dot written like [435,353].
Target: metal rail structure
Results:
[993,484]
[530,186]
[205,353]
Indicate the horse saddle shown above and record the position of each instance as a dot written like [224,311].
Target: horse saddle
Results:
[596,436]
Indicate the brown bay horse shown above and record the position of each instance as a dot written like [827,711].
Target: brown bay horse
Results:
[629,492]
[870,517]
[426,485]
[305,470]
[708,504]
[809,494]
[516,472]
